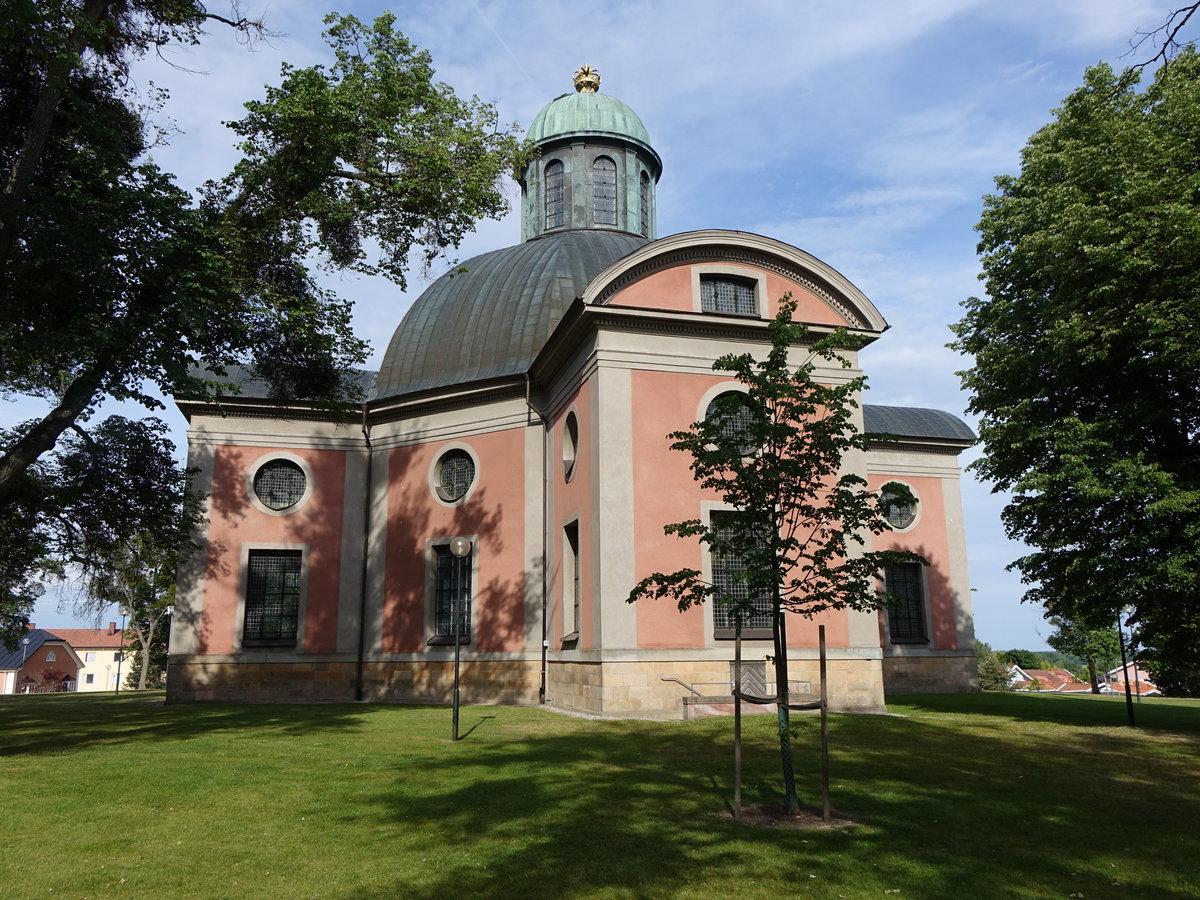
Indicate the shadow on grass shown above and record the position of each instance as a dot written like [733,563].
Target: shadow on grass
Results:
[59,722]
[636,810]
[1066,709]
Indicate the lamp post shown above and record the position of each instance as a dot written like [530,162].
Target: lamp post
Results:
[124,610]
[459,547]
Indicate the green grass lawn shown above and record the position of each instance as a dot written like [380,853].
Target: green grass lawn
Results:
[969,796]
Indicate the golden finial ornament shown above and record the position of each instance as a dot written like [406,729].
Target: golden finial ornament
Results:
[587,79]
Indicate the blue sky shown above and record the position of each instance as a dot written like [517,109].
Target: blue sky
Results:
[863,133]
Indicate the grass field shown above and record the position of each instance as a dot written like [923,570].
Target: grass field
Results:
[972,796]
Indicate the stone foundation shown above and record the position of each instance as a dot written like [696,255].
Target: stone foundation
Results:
[941,674]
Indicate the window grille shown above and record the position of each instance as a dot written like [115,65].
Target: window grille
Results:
[736,419]
[279,484]
[272,596]
[645,204]
[604,191]
[727,565]
[906,620]
[899,514]
[727,294]
[554,194]
[456,473]
[453,593]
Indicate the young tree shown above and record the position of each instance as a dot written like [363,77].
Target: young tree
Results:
[775,456]
[114,278]
[1086,354]
[1092,645]
[139,576]
[993,673]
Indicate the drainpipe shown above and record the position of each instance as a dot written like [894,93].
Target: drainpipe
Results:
[359,693]
[545,521]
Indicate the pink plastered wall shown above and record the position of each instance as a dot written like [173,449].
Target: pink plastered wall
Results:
[570,499]
[671,289]
[235,523]
[928,537]
[494,513]
[665,491]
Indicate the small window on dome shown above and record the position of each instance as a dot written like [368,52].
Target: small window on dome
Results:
[279,484]
[645,204]
[554,194]
[604,190]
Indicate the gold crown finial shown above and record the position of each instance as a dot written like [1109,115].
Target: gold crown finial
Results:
[587,79]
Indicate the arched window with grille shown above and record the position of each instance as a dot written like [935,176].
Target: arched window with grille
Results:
[604,191]
[644,201]
[555,179]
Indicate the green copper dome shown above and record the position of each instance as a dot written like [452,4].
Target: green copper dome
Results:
[489,317]
[590,114]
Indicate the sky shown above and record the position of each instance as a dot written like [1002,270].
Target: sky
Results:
[864,133]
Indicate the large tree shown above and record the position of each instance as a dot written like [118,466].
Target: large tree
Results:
[114,279]
[774,454]
[1098,647]
[117,283]
[1086,354]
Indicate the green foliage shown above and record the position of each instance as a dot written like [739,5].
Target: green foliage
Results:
[77,509]
[1086,372]
[993,673]
[115,283]
[773,454]
[802,520]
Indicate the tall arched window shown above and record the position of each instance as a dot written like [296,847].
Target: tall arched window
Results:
[604,190]
[645,204]
[554,194]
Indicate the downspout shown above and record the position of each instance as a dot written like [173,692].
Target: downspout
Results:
[545,521]
[359,693]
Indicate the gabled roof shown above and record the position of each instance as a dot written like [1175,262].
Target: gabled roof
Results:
[12,659]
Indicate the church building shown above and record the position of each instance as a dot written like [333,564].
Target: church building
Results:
[510,477]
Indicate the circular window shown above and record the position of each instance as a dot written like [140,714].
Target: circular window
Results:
[455,474]
[279,484]
[735,418]
[570,445]
[899,505]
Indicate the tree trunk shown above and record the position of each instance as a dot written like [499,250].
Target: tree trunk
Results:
[781,705]
[1091,664]
[38,133]
[45,434]
[147,643]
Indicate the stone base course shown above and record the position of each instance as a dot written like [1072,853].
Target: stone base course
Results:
[930,674]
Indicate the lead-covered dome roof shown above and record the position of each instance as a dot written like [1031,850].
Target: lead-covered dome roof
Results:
[490,316]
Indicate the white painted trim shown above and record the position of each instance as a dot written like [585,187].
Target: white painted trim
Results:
[757,276]
[243,578]
[252,470]
[434,481]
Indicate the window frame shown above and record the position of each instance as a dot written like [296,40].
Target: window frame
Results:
[918,604]
[265,459]
[572,584]
[753,277]
[598,194]
[554,194]
[435,474]
[569,440]
[727,632]
[914,511]
[241,642]
[644,203]
[435,550]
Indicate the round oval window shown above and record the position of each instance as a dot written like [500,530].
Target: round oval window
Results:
[456,473]
[279,484]
[570,445]
[899,511]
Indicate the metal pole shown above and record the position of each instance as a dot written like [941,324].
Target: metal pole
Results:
[121,652]
[826,812]
[737,717]
[459,549]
